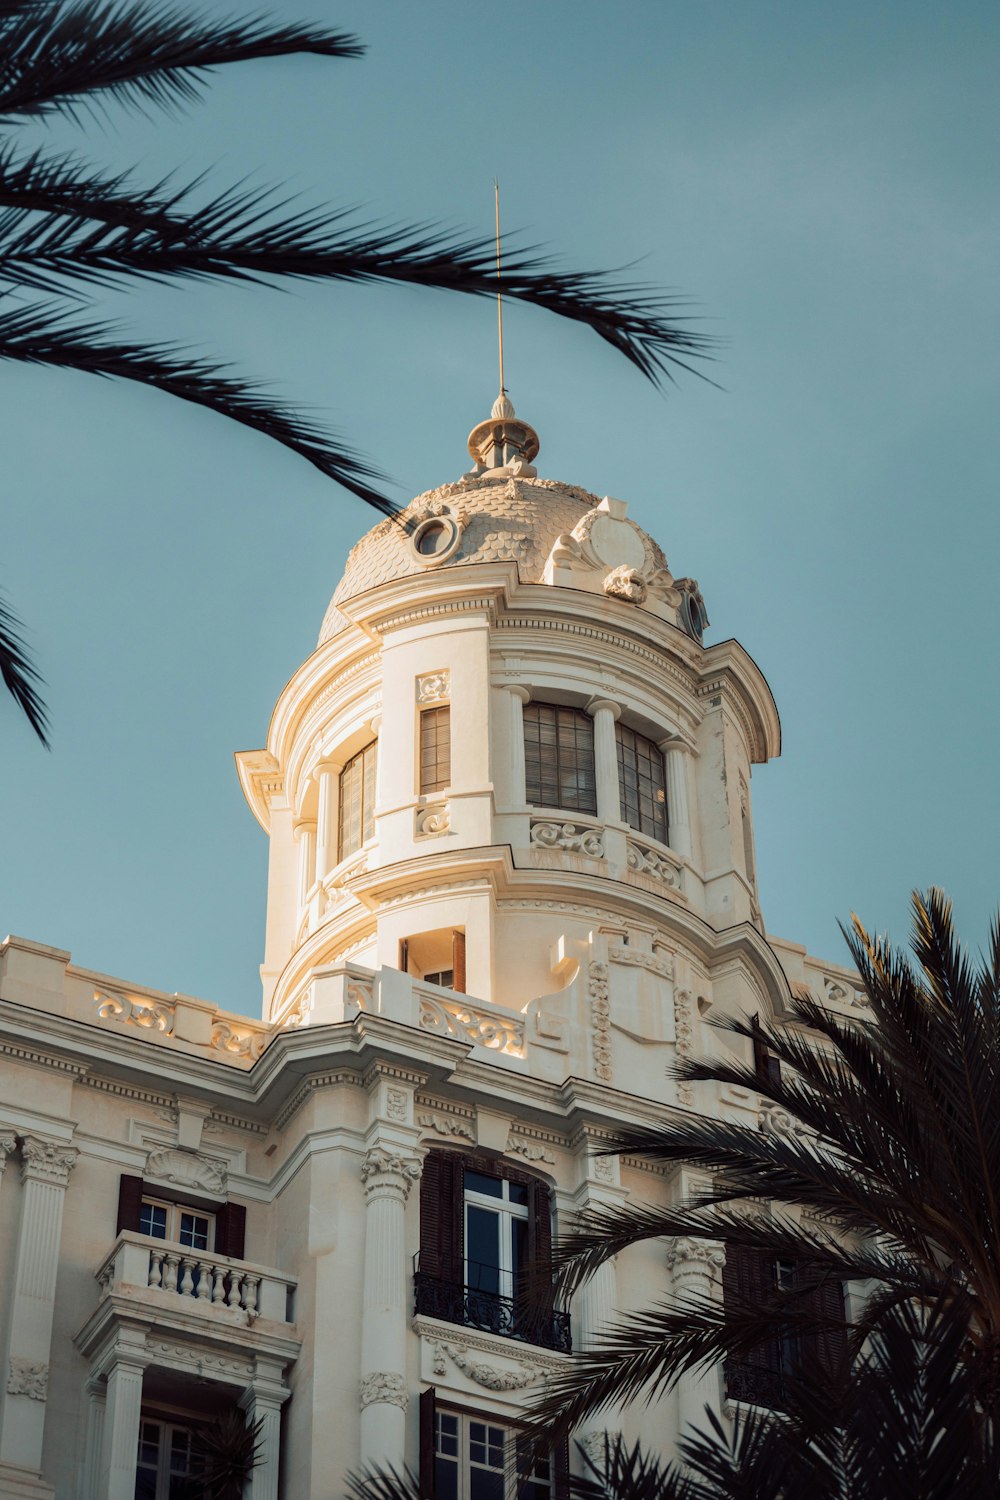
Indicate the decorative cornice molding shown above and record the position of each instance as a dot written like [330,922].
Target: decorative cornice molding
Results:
[43,1059]
[309,1086]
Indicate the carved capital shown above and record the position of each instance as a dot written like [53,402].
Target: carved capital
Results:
[8,1145]
[46,1161]
[27,1378]
[694,1260]
[388,1169]
[383,1386]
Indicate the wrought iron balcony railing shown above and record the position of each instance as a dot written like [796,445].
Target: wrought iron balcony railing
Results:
[758,1385]
[510,1317]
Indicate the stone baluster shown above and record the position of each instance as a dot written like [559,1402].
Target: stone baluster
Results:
[517,793]
[45,1169]
[696,1269]
[605,715]
[171,1265]
[262,1401]
[186,1287]
[204,1292]
[328,777]
[121,1420]
[676,754]
[388,1172]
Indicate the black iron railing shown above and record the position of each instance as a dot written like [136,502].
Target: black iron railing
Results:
[510,1317]
[758,1385]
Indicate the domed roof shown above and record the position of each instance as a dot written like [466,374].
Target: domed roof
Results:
[496,520]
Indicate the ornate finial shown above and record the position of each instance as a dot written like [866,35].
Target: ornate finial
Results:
[503,408]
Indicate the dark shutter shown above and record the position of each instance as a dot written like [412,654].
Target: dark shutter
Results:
[230,1231]
[428,1407]
[129,1203]
[828,1346]
[442,1250]
[404,955]
[765,1065]
[458,961]
[540,1227]
[560,1470]
[748,1277]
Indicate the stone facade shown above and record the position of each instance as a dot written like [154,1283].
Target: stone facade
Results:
[592,954]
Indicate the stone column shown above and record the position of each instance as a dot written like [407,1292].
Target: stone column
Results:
[45,1169]
[675,755]
[120,1448]
[598,1304]
[605,714]
[696,1269]
[389,1172]
[305,834]
[519,696]
[262,1401]
[92,1453]
[328,777]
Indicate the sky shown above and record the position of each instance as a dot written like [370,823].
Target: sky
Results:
[820,181]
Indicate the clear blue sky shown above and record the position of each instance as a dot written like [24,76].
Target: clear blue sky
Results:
[821,179]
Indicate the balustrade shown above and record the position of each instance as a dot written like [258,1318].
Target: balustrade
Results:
[205,1280]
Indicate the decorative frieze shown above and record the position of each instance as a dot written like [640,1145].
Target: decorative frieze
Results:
[773,1120]
[491,1376]
[239,1043]
[383,1386]
[600,1021]
[530,1150]
[429,822]
[434,686]
[684,1042]
[642,860]
[186,1169]
[568,837]
[28,1377]
[469,1023]
[621,953]
[148,1015]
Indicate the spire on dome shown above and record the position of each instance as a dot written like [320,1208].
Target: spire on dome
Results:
[504,445]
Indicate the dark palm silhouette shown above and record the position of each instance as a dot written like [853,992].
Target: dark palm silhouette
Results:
[68,229]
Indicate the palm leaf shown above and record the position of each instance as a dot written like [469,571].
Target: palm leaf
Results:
[54,56]
[37,337]
[20,676]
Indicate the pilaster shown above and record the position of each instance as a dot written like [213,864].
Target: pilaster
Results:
[696,1272]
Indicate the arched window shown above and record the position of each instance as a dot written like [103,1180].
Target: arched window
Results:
[641,783]
[559,758]
[357,800]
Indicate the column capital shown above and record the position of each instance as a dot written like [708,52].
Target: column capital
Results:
[383,1386]
[390,1171]
[303,827]
[691,1259]
[596,704]
[673,742]
[43,1160]
[519,691]
[375,724]
[8,1145]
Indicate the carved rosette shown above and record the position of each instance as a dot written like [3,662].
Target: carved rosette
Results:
[385,1387]
[434,686]
[388,1172]
[27,1378]
[600,1021]
[46,1161]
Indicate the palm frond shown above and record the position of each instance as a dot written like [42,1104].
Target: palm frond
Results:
[37,337]
[624,1473]
[54,56]
[383,1484]
[20,676]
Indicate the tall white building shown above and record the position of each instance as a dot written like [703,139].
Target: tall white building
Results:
[511,872]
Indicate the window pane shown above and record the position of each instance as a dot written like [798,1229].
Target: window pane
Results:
[482,1248]
[153,1220]
[435,749]
[518,1193]
[478,1182]
[357,800]
[194,1231]
[642,783]
[559,758]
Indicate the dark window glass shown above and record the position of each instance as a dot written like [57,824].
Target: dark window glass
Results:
[641,783]
[435,749]
[153,1220]
[559,758]
[357,800]
[194,1231]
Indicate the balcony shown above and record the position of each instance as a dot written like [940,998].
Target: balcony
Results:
[510,1317]
[211,1284]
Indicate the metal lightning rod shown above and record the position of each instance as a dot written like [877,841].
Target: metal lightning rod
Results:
[496,195]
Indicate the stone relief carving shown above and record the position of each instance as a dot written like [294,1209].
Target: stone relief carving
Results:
[384,1167]
[694,1259]
[492,1377]
[151,1017]
[647,862]
[166,1352]
[530,1150]
[484,1028]
[383,1386]
[600,1020]
[8,1144]
[447,1125]
[188,1170]
[27,1378]
[589,841]
[621,953]
[46,1161]
[360,996]
[839,994]
[626,583]
[684,1042]
[603,1169]
[432,820]
[773,1120]
[433,685]
[395,1104]
[226,1038]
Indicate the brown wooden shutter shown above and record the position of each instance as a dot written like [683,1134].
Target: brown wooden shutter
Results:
[539,1226]
[766,1066]
[442,1248]
[458,961]
[129,1203]
[829,1345]
[748,1276]
[428,1409]
[404,955]
[230,1231]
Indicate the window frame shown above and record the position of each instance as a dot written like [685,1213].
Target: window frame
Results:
[434,749]
[366,759]
[163,1471]
[229,1217]
[647,789]
[430,1407]
[503,1207]
[565,759]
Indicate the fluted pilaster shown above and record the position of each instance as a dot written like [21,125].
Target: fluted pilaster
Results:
[696,1270]
[389,1173]
[676,755]
[605,715]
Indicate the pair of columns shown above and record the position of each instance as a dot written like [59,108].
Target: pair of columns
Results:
[605,715]
[115,1413]
[45,1168]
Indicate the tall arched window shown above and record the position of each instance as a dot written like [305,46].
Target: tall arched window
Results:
[559,758]
[641,783]
[357,800]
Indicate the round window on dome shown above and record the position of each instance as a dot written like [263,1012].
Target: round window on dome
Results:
[435,539]
[694,616]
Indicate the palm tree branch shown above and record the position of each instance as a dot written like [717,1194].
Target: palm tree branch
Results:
[20,676]
[52,57]
[37,337]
